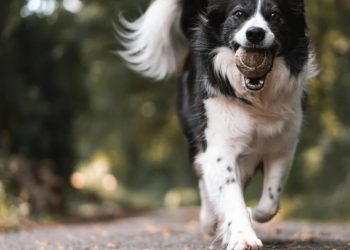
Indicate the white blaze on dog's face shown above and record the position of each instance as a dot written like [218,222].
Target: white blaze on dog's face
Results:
[275,25]
[252,23]
[259,24]
[255,31]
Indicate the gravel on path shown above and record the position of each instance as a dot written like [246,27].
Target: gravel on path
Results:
[175,229]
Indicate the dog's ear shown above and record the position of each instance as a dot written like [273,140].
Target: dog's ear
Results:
[216,17]
[216,11]
[297,6]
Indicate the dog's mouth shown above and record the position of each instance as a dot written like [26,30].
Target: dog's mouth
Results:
[254,84]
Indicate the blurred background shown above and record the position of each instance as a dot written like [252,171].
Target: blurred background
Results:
[83,137]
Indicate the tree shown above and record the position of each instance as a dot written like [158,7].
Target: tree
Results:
[43,87]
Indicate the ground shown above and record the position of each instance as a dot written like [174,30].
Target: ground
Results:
[170,229]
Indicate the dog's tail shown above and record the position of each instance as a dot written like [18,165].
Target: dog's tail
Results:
[155,44]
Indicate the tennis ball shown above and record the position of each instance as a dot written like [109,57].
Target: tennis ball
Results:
[254,63]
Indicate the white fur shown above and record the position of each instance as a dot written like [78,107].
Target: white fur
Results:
[154,44]
[208,218]
[239,134]
[281,88]
[256,21]
[239,138]
[312,69]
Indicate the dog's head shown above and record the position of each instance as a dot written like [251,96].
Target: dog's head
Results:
[258,23]
[277,25]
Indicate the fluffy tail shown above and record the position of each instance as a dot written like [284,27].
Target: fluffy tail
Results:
[154,44]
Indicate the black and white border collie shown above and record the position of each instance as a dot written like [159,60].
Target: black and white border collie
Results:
[232,128]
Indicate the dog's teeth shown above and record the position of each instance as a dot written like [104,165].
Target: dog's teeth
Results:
[261,81]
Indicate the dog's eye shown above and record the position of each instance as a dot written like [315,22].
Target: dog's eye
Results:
[275,17]
[238,14]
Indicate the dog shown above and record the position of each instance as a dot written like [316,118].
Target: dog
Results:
[234,125]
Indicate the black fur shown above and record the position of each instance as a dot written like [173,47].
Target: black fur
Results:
[190,109]
[189,17]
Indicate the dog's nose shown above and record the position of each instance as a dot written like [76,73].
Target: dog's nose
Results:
[255,35]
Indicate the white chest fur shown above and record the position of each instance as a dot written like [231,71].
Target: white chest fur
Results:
[249,134]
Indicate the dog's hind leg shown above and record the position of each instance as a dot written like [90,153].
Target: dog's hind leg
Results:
[276,170]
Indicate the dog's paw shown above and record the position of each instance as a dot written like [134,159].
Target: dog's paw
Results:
[241,240]
[264,214]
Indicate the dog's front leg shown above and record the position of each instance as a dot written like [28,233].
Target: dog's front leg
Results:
[276,171]
[208,218]
[221,176]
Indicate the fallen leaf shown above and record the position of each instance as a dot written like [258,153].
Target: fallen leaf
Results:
[151,229]
[304,236]
[111,245]
[186,247]
[59,247]
[166,232]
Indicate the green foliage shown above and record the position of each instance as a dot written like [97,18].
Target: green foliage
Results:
[322,175]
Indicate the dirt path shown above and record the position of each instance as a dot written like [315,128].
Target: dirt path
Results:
[171,229]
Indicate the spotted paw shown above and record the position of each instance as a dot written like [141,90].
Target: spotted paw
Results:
[243,241]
